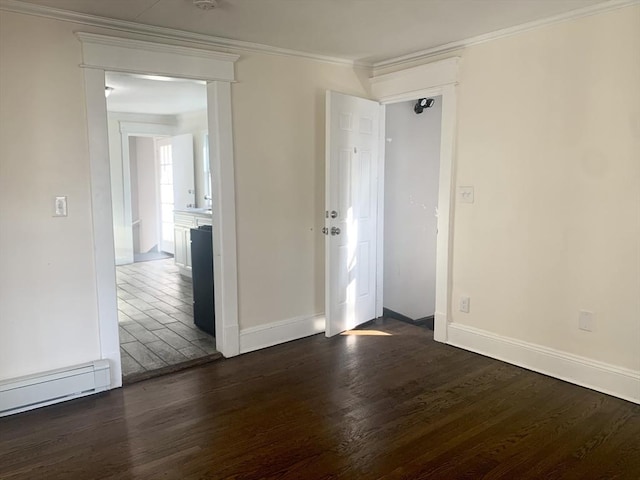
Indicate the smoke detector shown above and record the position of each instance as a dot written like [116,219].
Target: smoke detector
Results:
[205,4]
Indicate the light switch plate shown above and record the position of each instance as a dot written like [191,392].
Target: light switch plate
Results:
[60,206]
[465,194]
[586,321]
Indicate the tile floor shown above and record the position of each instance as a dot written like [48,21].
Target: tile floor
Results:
[155,314]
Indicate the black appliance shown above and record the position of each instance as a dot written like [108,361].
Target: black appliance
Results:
[202,278]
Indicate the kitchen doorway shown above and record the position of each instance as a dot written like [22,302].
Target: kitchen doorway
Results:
[102,53]
[158,133]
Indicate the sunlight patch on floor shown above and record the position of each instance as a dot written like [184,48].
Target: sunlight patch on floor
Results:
[366,333]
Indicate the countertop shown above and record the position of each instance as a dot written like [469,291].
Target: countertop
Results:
[194,211]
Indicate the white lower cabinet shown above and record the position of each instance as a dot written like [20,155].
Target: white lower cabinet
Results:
[183,222]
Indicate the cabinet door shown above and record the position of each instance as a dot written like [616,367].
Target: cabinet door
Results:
[180,246]
[188,249]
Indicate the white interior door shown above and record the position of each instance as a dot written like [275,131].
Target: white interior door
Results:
[353,128]
[184,190]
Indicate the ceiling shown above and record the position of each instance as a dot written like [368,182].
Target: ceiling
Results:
[154,95]
[359,30]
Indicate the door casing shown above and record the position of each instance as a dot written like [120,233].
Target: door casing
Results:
[430,80]
[135,129]
[102,53]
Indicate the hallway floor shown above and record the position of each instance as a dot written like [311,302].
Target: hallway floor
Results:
[155,316]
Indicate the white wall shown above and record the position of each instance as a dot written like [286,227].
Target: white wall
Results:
[278,124]
[548,133]
[549,136]
[147,194]
[48,312]
[412,165]
[48,302]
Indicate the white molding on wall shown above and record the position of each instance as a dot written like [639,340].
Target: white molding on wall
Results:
[146,118]
[139,129]
[382,149]
[505,32]
[116,57]
[603,377]
[164,33]
[263,336]
[430,75]
[136,56]
[223,190]
[102,218]
[156,47]
[172,34]
[437,78]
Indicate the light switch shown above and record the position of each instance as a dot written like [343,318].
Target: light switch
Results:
[585,321]
[60,207]
[465,194]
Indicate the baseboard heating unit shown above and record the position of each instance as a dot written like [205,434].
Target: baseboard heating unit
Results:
[33,391]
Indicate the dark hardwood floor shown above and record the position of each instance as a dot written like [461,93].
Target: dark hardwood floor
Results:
[352,407]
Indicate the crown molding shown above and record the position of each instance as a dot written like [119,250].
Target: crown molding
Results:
[165,33]
[505,32]
[171,34]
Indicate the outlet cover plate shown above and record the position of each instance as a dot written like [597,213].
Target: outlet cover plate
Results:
[465,304]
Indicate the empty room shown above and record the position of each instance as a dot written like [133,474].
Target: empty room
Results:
[419,223]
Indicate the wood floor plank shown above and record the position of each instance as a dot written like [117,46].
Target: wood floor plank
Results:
[399,406]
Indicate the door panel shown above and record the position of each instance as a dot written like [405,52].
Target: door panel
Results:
[183,173]
[352,153]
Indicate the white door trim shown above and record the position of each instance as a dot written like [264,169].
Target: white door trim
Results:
[100,53]
[134,129]
[437,78]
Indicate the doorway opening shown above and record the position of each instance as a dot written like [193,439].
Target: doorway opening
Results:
[102,53]
[411,191]
[157,137]
[348,117]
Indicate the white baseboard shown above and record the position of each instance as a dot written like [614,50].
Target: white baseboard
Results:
[184,271]
[263,336]
[603,377]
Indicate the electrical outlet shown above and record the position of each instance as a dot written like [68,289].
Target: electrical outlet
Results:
[586,321]
[465,303]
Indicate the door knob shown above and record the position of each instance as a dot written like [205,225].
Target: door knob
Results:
[335,231]
[334,214]
[325,230]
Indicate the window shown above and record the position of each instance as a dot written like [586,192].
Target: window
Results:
[165,166]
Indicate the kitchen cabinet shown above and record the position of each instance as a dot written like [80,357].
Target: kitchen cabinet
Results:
[183,222]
